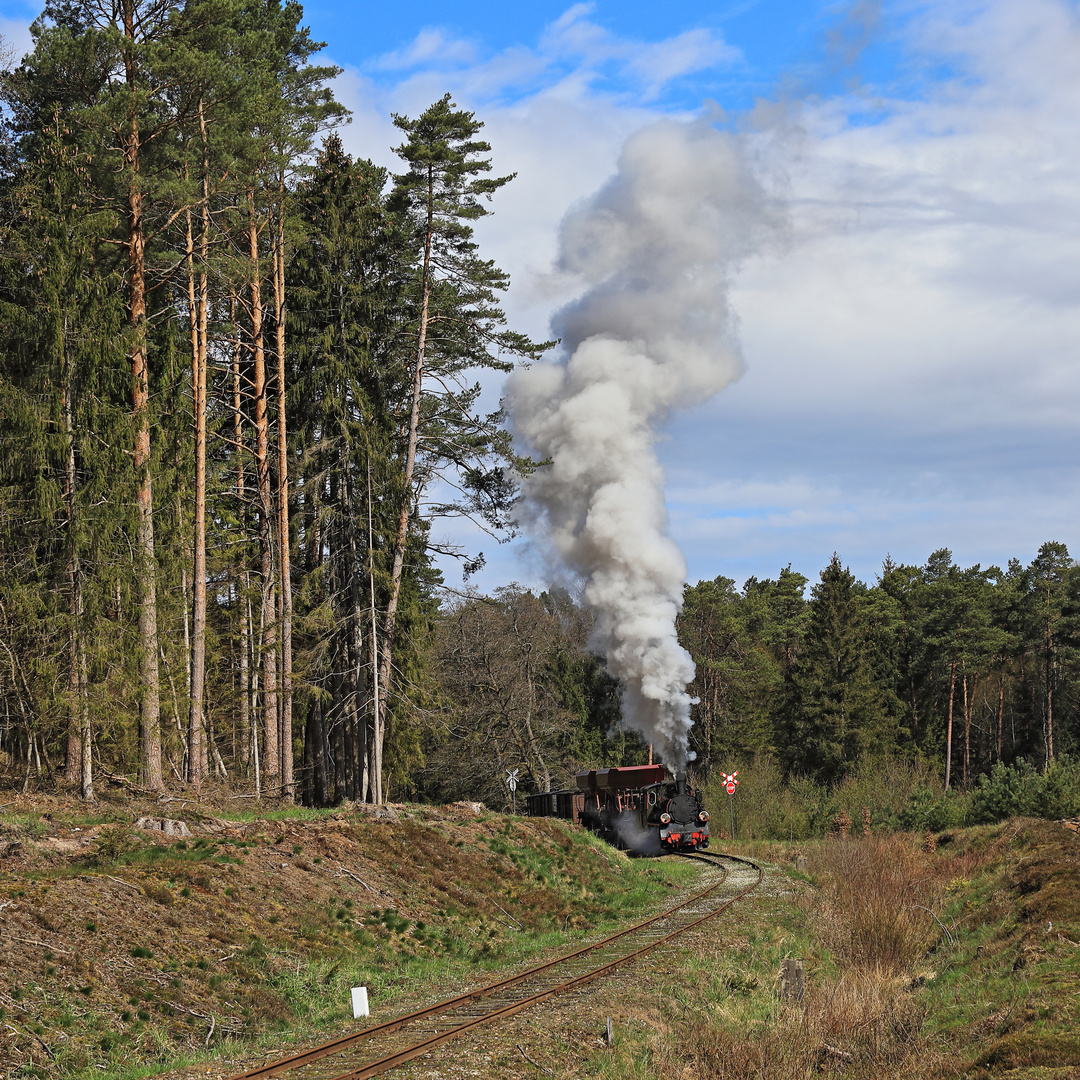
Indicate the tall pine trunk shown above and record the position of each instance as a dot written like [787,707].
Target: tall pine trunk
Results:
[968,702]
[362,729]
[198,304]
[79,764]
[1048,733]
[1000,708]
[246,713]
[949,724]
[390,621]
[196,769]
[145,555]
[284,566]
[268,628]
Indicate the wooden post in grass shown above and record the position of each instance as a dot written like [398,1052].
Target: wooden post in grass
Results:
[792,980]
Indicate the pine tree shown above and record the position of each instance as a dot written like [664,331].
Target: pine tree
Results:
[455,323]
[288,106]
[1049,575]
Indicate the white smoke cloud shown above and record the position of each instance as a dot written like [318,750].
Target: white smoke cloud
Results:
[653,332]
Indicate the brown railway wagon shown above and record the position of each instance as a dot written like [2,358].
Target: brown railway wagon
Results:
[636,807]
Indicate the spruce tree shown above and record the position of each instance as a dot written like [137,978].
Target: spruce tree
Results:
[346,293]
[833,712]
[61,324]
[100,67]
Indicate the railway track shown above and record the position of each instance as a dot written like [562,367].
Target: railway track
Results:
[380,1047]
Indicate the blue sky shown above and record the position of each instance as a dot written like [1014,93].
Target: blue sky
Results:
[772,36]
[911,340]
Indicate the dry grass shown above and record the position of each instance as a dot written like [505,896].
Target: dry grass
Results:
[891,994]
[862,1025]
[873,913]
[877,901]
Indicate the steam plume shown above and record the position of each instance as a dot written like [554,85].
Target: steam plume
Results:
[652,332]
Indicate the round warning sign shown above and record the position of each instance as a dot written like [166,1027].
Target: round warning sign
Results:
[730,787]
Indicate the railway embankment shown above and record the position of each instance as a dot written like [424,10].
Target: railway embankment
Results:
[125,950]
[943,955]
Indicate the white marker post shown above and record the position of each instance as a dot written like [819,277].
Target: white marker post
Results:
[359,1002]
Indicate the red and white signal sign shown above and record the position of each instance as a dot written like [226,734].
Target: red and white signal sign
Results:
[730,781]
[730,785]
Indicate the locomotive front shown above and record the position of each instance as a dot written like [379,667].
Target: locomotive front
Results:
[682,821]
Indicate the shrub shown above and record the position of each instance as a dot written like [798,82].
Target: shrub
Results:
[934,810]
[1019,790]
[896,793]
[766,807]
[111,846]
[1061,790]
[160,894]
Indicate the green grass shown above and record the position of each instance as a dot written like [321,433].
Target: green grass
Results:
[33,825]
[296,974]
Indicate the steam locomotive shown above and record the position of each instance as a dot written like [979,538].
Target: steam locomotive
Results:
[638,808]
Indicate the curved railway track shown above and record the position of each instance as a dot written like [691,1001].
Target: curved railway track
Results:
[380,1047]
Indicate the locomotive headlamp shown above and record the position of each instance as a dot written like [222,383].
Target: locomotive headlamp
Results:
[665,819]
[703,816]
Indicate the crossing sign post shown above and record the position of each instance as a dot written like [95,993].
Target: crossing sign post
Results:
[731,781]
[512,781]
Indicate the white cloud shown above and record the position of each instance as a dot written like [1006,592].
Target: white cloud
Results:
[687,54]
[575,59]
[653,65]
[430,46]
[912,377]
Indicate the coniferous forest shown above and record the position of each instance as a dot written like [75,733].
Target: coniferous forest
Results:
[237,389]
[237,393]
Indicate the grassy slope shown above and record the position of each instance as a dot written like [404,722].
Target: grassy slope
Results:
[134,949]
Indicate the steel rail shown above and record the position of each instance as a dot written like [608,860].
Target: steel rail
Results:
[393,1060]
[400,1058]
[388,1026]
